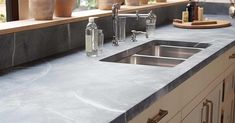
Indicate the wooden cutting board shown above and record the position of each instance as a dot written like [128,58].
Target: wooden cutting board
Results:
[189,25]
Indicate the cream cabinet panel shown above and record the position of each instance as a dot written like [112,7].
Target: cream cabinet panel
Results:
[176,118]
[228,99]
[214,102]
[168,103]
[228,111]
[194,116]
[208,110]
[229,85]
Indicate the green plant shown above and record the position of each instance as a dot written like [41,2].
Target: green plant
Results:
[2,18]
[151,1]
[91,4]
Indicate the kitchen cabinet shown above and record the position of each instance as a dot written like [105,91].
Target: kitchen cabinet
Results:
[205,97]
[222,97]
[207,111]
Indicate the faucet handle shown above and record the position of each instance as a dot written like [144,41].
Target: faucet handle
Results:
[115,41]
[134,32]
[133,36]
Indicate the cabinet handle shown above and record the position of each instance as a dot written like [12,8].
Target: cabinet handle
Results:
[161,114]
[232,56]
[205,106]
[211,111]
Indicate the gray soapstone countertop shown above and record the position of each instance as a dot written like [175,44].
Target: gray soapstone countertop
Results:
[78,89]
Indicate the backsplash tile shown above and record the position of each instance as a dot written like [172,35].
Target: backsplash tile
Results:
[6,50]
[36,44]
[77,34]
[105,23]
[216,8]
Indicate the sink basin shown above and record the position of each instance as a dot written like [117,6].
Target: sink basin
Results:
[170,51]
[149,60]
[158,53]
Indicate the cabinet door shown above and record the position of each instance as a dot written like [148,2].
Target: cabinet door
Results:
[228,88]
[228,99]
[162,110]
[196,115]
[228,111]
[208,110]
[176,118]
[214,102]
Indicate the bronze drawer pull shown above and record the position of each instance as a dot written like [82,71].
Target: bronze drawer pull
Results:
[232,56]
[205,106]
[161,114]
[211,111]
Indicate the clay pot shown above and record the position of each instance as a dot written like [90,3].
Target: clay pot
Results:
[64,8]
[41,9]
[143,2]
[107,4]
[132,2]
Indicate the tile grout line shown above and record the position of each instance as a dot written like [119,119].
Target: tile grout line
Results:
[14,50]
[69,35]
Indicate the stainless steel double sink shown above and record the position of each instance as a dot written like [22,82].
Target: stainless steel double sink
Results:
[158,53]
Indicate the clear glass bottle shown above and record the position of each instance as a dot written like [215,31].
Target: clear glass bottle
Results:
[151,24]
[91,38]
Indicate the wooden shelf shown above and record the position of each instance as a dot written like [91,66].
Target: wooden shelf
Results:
[30,24]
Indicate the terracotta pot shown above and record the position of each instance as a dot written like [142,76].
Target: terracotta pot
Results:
[132,2]
[41,9]
[107,4]
[143,2]
[64,8]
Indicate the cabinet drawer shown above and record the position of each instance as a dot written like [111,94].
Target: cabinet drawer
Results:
[230,57]
[169,103]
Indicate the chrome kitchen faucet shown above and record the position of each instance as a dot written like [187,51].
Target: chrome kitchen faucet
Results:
[115,18]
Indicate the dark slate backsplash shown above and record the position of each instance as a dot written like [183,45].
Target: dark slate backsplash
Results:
[34,44]
[6,50]
[26,46]
[216,8]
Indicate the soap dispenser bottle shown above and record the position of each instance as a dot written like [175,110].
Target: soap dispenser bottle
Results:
[91,38]
[190,8]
